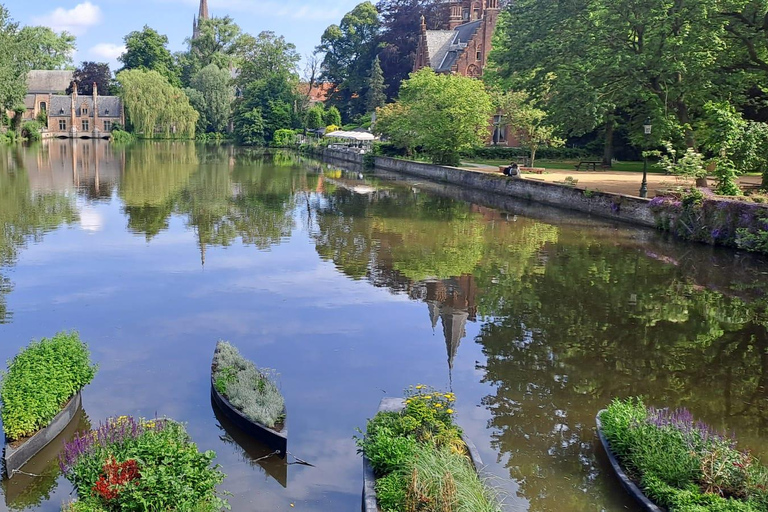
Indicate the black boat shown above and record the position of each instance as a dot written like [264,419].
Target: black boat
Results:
[626,482]
[277,439]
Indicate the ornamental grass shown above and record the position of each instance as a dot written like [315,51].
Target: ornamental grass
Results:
[420,461]
[40,380]
[682,464]
[130,464]
[249,389]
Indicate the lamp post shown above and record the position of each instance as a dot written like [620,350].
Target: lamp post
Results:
[647,132]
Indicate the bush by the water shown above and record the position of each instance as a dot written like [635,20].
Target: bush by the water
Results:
[129,464]
[250,389]
[420,460]
[40,380]
[122,137]
[682,464]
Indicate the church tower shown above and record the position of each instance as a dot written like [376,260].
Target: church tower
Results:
[201,15]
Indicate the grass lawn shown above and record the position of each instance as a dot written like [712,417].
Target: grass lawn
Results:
[570,165]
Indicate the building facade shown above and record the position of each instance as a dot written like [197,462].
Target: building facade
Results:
[41,84]
[463,47]
[77,116]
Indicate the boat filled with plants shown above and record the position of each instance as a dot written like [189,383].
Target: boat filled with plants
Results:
[40,394]
[136,464]
[669,461]
[249,397]
[415,457]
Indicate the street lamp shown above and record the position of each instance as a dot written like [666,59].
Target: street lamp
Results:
[647,131]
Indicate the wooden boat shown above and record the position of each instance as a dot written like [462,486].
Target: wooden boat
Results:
[253,452]
[369,479]
[626,482]
[277,439]
[18,453]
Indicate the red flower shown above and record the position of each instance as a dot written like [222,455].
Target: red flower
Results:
[115,476]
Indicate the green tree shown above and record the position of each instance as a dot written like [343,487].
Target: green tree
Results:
[220,42]
[376,93]
[442,114]
[332,116]
[171,117]
[314,118]
[214,101]
[147,50]
[349,50]
[528,122]
[46,49]
[13,70]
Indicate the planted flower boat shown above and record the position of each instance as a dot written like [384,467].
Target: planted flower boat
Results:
[668,461]
[41,395]
[248,396]
[416,458]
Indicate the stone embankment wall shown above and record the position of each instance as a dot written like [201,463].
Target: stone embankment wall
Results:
[612,206]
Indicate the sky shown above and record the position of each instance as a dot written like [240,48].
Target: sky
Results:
[100,25]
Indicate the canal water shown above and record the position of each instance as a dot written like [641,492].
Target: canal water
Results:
[354,286]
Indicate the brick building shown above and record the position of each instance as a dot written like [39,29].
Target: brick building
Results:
[77,116]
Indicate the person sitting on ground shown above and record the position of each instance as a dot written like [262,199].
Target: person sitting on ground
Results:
[512,170]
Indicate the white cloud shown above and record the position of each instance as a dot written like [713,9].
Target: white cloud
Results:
[76,20]
[293,9]
[107,51]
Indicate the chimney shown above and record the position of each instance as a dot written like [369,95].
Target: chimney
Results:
[72,116]
[95,108]
[457,15]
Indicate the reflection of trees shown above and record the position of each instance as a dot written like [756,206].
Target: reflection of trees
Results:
[589,324]
[25,216]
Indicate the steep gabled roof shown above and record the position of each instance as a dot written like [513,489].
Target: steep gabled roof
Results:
[445,46]
[45,82]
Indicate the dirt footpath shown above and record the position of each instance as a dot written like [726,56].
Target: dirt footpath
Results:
[617,182]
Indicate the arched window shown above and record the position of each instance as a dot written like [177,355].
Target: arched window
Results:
[43,106]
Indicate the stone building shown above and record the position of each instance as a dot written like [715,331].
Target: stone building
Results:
[77,116]
[201,15]
[41,84]
[463,47]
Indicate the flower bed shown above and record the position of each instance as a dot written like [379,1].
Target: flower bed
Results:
[681,464]
[420,460]
[40,381]
[249,389]
[129,464]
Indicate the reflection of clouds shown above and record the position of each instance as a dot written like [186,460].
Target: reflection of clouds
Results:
[86,295]
[90,219]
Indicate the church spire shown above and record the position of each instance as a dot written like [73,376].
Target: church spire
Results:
[203,14]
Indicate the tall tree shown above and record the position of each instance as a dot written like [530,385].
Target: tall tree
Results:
[89,73]
[216,92]
[349,51]
[147,50]
[46,49]
[154,106]
[401,30]
[13,69]
[376,94]
[442,114]
[219,42]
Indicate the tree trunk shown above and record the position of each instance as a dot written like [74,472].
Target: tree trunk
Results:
[685,120]
[608,147]
[533,155]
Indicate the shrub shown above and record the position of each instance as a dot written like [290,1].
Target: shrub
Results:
[129,464]
[250,389]
[283,138]
[40,380]
[30,130]
[122,137]
[419,459]
[682,464]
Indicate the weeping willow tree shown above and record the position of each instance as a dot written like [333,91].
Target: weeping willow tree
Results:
[155,107]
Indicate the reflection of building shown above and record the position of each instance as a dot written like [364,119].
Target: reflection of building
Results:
[462,49]
[452,301]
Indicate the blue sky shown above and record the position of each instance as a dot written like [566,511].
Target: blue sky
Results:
[100,25]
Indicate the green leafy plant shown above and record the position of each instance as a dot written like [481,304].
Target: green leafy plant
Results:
[250,389]
[130,464]
[40,380]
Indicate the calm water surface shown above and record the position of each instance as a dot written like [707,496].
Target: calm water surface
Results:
[355,287]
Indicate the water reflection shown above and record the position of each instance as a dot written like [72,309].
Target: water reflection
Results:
[541,316]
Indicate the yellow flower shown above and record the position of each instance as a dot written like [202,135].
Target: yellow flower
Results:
[419,386]
[438,405]
[428,397]
[450,411]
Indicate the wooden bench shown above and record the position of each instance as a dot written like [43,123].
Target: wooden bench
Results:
[587,164]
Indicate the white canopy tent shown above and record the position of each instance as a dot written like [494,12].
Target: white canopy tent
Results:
[358,136]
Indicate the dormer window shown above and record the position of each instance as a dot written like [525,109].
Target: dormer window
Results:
[85,111]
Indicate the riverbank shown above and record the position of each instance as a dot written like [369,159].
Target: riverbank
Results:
[695,217]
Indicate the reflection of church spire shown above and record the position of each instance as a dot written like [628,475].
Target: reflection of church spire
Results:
[202,246]
[434,312]
[454,329]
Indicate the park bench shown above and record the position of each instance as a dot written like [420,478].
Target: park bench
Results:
[587,164]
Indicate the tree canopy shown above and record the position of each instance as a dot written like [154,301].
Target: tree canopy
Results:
[89,73]
[441,114]
[214,99]
[147,50]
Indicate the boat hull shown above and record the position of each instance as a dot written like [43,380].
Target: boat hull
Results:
[16,457]
[369,479]
[626,482]
[278,441]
